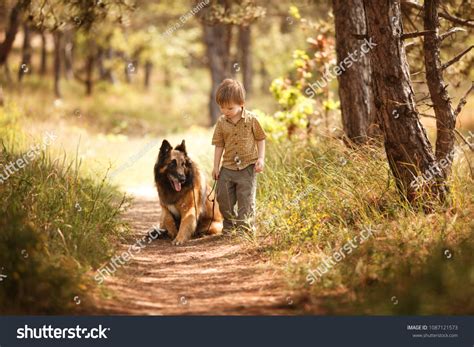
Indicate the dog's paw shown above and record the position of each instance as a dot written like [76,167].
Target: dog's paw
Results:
[156,233]
[178,241]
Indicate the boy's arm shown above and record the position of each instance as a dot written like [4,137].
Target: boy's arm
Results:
[217,161]
[219,143]
[261,156]
[261,149]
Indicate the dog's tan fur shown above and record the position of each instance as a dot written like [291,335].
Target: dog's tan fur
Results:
[184,213]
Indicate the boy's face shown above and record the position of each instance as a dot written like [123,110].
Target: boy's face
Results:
[230,110]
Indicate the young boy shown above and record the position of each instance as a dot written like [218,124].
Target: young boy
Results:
[240,137]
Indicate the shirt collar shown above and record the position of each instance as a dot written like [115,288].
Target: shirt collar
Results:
[244,115]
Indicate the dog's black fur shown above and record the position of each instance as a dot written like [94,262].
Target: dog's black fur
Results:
[182,191]
[187,181]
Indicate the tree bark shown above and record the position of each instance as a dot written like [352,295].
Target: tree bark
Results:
[89,81]
[25,65]
[264,78]
[148,70]
[58,43]
[2,100]
[12,29]
[130,68]
[245,52]
[44,55]
[109,74]
[359,118]
[100,63]
[68,54]
[445,117]
[408,149]
[167,78]
[217,38]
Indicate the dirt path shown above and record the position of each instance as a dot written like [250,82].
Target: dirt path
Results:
[209,275]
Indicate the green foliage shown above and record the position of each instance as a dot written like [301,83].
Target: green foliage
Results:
[55,226]
[87,15]
[242,12]
[296,107]
[303,110]
[317,196]
[274,129]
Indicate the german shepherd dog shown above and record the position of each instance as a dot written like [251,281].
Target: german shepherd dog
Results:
[183,191]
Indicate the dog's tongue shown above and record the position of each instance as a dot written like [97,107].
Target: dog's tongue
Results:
[177,185]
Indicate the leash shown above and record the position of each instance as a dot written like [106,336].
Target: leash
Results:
[195,207]
[214,186]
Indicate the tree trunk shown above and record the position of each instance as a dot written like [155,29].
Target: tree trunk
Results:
[100,63]
[58,43]
[6,69]
[217,38]
[109,75]
[2,100]
[89,81]
[44,55]
[245,50]
[167,76]
[129,69]
[68,54]
[408,149]
[25,66]
[359,118]
[445,118]
[12,29]
[148,70]
[264,78]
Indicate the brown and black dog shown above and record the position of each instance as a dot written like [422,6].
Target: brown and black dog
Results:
[183,191]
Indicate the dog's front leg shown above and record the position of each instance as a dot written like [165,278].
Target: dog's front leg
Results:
[186,228]
[168,223]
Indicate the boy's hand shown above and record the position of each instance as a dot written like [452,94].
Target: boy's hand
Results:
[215,174]
[259,165]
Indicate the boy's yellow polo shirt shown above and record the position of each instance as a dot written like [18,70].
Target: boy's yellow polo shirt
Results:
[239,140]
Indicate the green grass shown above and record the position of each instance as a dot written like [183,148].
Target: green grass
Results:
[315,197]
[57,225]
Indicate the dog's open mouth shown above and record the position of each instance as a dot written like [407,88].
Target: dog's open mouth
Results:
[175,183]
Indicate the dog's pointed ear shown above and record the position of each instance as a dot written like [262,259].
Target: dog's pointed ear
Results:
[181,147]
[165,146]
[164,150]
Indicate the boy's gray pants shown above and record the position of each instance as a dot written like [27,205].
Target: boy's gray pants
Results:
[237,187]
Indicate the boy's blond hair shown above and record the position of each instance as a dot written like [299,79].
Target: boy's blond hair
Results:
[230,91]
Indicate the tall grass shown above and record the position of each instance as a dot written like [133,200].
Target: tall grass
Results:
[315,197]
[56,226]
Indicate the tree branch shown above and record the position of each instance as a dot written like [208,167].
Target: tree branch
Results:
[416,34]
[450,32]
[444,14]
[463,101]
[471,147]
[461,21]
[456,58]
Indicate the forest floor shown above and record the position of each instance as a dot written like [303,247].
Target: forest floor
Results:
[210,275]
